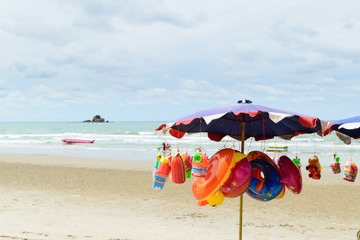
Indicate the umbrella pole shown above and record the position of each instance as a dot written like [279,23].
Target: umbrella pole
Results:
[241,196]
[240,220]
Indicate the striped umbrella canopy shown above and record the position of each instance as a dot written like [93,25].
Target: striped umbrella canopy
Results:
[346,129]
[261,123]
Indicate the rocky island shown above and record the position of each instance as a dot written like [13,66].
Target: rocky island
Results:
[96,119]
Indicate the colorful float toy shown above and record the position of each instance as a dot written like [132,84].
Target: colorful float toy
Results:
[296,160]
[158,157]
[178,169]
[265,183]
[239,179]
[275,148]
[206,189]
[188,165]
[200,164]
[162,172]
[314,168]
[291,175]
[350,171]
[335,166]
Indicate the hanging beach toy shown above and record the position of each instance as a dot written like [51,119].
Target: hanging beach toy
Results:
[188,165]
[162,172]
[200,164]
[296,160]
[200,161]
[178,169]
[157,162]
[160,153]
[335,166]
[350,171]
[314,168]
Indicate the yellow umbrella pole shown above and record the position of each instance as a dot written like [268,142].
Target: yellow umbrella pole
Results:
[241,196]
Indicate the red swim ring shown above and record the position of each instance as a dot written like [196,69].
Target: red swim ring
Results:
[239,180]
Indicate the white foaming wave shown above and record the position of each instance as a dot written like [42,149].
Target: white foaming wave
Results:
[300,139]
[15,136]
[124,137]
[147,133]
[26,138]
[24,142]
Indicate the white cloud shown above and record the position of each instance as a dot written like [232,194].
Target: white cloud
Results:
[34,71]
[11,99]
[74,54]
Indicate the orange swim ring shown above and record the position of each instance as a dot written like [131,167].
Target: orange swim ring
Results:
[219,170]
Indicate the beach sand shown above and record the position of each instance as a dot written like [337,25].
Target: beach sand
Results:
[61,197]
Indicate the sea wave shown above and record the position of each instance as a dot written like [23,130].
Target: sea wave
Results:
[137,138]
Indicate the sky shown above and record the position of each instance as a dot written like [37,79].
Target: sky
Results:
[155,60]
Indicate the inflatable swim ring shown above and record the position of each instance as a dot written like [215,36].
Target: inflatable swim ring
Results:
[220,166]
[291,175]
[239,179]
[265,183]
[282,193]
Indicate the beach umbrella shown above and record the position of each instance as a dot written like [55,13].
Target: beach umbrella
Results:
[244,120]
[346,129]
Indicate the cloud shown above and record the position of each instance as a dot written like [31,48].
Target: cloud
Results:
[60,97]
[184,91]
[69,55]
[34,71]
[105,15]
[291,35]
[292,92]
[11,99]
[48,25]
[4,85]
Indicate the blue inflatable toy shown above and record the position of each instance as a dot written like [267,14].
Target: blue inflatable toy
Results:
[265,183]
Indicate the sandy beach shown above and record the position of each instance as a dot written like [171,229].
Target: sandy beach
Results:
[60,197]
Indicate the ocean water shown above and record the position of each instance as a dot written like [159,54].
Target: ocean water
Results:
[139,141]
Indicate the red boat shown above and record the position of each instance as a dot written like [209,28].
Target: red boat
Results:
[70,140]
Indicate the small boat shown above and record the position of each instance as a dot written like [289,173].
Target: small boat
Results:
[70,140]
[277,148]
